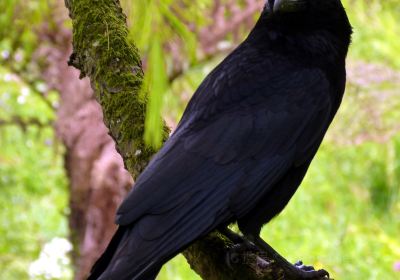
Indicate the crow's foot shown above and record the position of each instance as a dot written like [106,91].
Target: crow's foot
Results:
[232,236]
[308,272]
[236,253]
[242,245]
[296,271]
[304,267]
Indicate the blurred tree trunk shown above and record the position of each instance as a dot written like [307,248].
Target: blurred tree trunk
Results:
[97,178]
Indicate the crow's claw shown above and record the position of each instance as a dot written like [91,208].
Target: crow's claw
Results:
[309,272]
[243,244]
[312,274]
[304,267]
[234,254]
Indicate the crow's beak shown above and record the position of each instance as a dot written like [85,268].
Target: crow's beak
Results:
[270,5]
[275,4]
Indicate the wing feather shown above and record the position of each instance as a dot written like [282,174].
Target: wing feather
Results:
[242,131]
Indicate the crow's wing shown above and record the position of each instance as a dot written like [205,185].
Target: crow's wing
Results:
[245,116]
[246,125]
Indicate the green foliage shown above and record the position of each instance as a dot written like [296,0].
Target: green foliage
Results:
[33,199]
[18,20]
[33,193]
[156,80]
[153,21]
[376,30]
[345,216]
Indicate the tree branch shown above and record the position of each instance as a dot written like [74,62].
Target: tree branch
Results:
[24,123]
[24,78]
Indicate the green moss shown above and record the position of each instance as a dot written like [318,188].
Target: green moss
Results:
[103,52]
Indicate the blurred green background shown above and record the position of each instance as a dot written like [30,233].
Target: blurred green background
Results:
[344,218]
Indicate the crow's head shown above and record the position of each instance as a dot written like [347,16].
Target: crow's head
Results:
[308,14]
[296,6]
[305,19]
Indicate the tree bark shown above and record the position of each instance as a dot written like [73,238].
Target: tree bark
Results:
[102,51]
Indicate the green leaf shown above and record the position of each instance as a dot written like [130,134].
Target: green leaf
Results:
[179,27]
[157,83]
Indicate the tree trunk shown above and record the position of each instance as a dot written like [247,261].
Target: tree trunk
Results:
[102,52]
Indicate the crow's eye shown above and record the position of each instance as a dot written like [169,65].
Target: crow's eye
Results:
[283,6]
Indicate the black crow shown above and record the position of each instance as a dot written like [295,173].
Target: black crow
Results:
[244,143]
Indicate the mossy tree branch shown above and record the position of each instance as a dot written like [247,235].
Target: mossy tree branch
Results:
[102,51]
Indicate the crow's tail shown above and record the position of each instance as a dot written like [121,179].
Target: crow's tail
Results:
[119,263]
[101,264]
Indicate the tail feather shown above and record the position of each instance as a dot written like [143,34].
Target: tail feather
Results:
[101,264]
[138,250]
[117,264]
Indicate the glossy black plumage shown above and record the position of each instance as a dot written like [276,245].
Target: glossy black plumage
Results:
[244,142]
